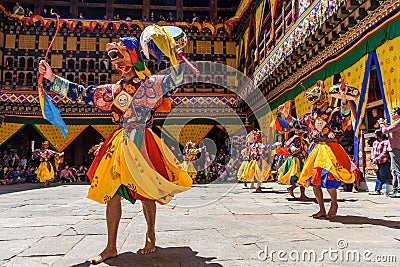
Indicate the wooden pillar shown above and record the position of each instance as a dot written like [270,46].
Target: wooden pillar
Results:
[146,9]
[213,10]
[110,9]
[73,8]
[38,7]
[179,10]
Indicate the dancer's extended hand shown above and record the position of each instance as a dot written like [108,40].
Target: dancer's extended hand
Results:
[44,68]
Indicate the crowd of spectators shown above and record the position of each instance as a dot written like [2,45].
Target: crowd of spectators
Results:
[15,170]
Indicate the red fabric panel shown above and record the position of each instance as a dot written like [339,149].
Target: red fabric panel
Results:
[340,155]
[99,156]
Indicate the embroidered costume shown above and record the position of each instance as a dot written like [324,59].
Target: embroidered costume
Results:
[257,167]
[45,171]
[290,170]
[327,164]
[190,152]
[242,169]
[133,162]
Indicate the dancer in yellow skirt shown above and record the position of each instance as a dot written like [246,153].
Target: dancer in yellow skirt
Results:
[241,174]
[257,168]
[133,162]
[45,171]
[290,170]
[190,152]
[327,164]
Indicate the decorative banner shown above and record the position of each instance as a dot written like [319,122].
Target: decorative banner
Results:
[189,132]
[258,21]
[8,130]
[55,137]
[273,4]
[389,65]
[302,105]
[306,25]
[354,76]
[243,6]
[105,130]
[246,43]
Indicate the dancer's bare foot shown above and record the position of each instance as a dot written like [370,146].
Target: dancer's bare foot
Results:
[150,245]
[258,190]
[106,254]
[319,214]
[332,211]
[305,198]
[290,191]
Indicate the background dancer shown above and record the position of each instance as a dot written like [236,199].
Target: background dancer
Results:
[328,165]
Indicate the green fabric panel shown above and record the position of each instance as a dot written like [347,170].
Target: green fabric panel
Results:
[286,165]
[123,192]
[138,139]
[389,32]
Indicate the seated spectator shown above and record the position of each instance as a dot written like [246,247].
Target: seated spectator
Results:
[200,176]
[81,174]
[222,174]
[5,177]
[18,10]
[31,176]
[16,176]
[152,16]
[213,173]
[66,175]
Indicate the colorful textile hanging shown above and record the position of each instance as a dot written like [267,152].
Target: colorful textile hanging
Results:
[258,22]
[354,76]
[273,4]
[56,139]
[193,132]
[8,130]
[389,65]
[105,130]
[243,6]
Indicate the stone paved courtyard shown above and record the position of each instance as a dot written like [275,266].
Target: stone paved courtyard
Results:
[210,225]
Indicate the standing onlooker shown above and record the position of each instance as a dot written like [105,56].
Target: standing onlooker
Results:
[18,10]
[6,159]
[394,148]
[15,160]
[380,157]
[28,12]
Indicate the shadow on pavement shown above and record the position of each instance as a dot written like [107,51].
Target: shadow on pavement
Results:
[172,256]
[5,189]
[350,219]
